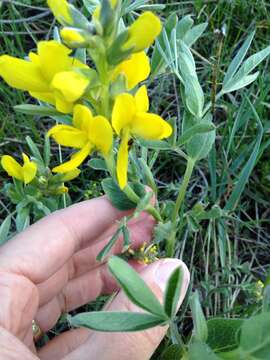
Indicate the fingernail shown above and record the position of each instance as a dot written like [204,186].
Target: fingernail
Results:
[165,269]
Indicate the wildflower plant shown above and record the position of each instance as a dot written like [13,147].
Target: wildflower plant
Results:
[90,79]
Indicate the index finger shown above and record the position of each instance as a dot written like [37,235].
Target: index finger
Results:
[46,246]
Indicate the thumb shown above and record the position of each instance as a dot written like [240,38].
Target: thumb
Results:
[137,345]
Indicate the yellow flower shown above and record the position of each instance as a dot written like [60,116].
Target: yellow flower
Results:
[71,175]
[87,134]
[25,173]
[135,69]
[143,32]
[61,11]
[51,75]
[130,117]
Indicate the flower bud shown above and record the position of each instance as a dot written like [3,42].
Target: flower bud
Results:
[73,37]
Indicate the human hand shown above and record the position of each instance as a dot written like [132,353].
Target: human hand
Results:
[51,268]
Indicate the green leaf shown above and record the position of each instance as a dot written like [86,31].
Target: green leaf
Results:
[187,63]
[36,110]
[173,291]
[22,219]
[34,149]
[223,334]
[134,287]
[252,62]
[201,351]
[183,26]
[4,229]
[199,146]
[194,96]
[200,331]
[155,145]
[116,321]
[194,34]
[162,230]
[173,352]
[247,169]
[236,84]
[235,64]
[98,164]
[117,197]
[255,336]
[198,128]
[47,151]
[105,251]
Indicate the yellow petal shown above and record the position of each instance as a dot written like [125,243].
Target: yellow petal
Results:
[29,171]
[123,112]
[101,134]
[143,31]
[150,127]
[68,136]
[22,74]
[71,175]
[82,117]
[12,167]
[135,69]
[75,161]
[47,97]
[122,160]
[60,10]
[62,105]
[70,84]
[142,100]
[54,58]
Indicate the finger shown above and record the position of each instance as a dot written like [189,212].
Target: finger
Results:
[126,346]
[43,248]
[83,261]
[12,348]
[64,344]
[78,292]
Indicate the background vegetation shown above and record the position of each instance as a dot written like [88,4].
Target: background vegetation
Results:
[226,252]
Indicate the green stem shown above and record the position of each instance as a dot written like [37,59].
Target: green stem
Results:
[135,198]
[179,201]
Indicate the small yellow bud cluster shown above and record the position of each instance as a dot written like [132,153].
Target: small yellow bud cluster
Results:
[145,254]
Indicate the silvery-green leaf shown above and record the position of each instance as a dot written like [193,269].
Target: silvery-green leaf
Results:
[40,110]
[194,96]
[134,287]
[183,26]
[235,64]
[198,128]
[173,291]
[252,62]
[235,84]
[108,321]
[193,34]
[186,62]
[200,331]
[4,229]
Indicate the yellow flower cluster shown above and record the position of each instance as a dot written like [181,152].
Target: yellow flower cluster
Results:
[54,76]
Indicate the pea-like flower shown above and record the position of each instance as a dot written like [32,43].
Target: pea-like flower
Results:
[130,117]
[87,134]
[61,11]
[25,173]
[135,69]
[51,75]
[143,32]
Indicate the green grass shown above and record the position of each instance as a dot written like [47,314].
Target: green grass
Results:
[227,255]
